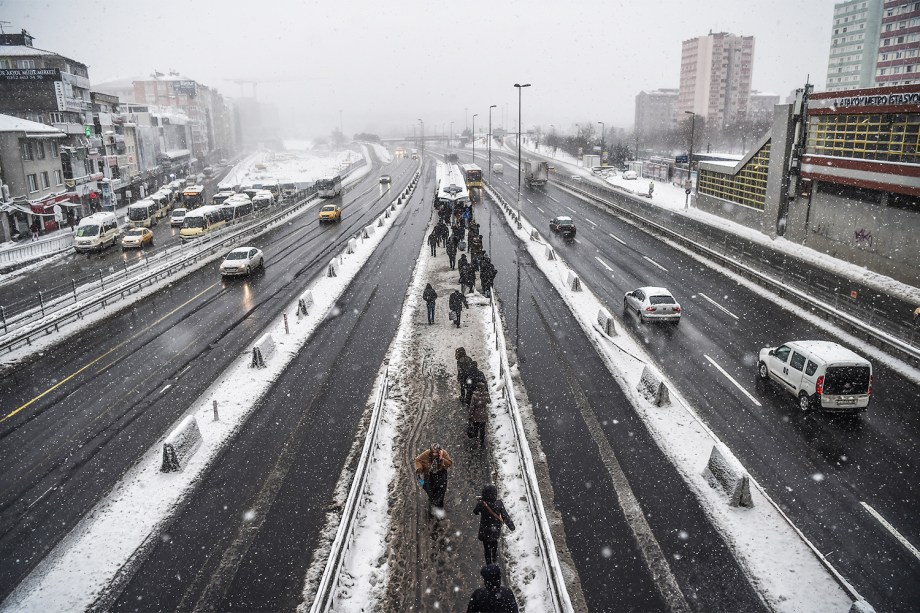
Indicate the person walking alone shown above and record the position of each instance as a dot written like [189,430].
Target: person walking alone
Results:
[479,413]
[430,296]
[451,252]
[456,302]
[494,597]
[464,365]
[433,242]
[431,471]
[492,516]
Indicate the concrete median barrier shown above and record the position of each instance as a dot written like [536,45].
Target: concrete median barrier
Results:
[352,246]
[652,387]
[722,474]
[263,350]
[605,321]
[550,254]
[369,231]
[179,446]
[573,282]
[304,303]
[535,236]
[333,270]
[380,222]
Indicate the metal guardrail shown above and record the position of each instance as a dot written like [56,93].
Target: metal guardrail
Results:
[48,318]
[555,580]
[829,295]
[36,249]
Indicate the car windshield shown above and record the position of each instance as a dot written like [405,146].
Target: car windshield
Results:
[88,230]
[238,255]
[178,213]
[135,232]
[328,209]
[565,222]
[661,300]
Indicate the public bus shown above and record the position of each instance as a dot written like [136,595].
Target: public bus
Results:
[142,214]
[193,196]
[450,187]
[472,174]
[201,221]
[329,188]
[221,197]
[236,207]
[164,199]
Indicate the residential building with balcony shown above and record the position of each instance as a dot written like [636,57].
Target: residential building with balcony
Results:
[854,42]
[715,77]
[898,58]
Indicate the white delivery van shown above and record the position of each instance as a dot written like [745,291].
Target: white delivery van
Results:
[823,375]
[96,232]
[498,168]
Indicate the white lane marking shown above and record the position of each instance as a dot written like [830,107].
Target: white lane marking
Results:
[717,305]
[590,222]
[168,385]
[553,199]
[576,241]
[730,378]
[528,200]
[619,240]
[44,494]
[603,263]
[541,210]
[655,263]
[571,209]
[894,532]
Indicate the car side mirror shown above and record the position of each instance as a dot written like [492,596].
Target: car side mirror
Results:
[771,352]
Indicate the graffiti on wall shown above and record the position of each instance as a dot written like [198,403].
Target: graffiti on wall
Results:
[863,238]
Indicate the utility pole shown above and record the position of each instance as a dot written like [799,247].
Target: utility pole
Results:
[490,145]
[422,145]
[689,186]
[520,89]
[475,115]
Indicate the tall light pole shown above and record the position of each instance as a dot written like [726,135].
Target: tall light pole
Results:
[475,115]
[422,145]
[520,89]
[689,186]
[603,142]
[490,142]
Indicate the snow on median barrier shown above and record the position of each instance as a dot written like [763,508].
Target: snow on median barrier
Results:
[605,322]
[724,475]
[550,254]
[352,246]
[651,386]
[263,351]
[304,303]
[573,282]
[180,445]
[334,264]
[369,231]
[535,236]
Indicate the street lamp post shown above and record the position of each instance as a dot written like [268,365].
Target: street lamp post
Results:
[520,89]
[603,141]
[689,187]
[490,141]
[422,140]
[475,115]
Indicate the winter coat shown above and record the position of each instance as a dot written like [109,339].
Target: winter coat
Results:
[429,295]
[479,405]
[464,365]
[468,275]
[451,247]
[475,378]
[490,526]
[423,463]
[457,301]
[433,238]
[498,600]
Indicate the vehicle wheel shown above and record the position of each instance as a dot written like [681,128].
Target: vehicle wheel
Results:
[248,271]
[641,317]
[762,371]
[625,306]
[804,402]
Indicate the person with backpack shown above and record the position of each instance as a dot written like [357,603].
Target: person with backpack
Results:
[494,597]
[464,365]
[492,516]
[479,413]
[467,278]
[430,296]
[456,302]
[474,378]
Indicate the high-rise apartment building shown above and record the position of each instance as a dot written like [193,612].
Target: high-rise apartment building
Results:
[656,111]
[715,77]
[852,58]
[897,61]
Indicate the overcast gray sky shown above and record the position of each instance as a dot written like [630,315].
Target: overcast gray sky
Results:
[387,64]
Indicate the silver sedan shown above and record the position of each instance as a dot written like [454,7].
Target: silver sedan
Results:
[652,304]
[242,261]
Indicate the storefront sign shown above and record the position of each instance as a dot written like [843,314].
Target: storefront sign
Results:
[32,74]
[892,99]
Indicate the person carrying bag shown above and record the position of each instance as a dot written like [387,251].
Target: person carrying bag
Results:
[492,516]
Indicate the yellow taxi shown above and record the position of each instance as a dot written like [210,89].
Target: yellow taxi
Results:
[137,238]
[330,212]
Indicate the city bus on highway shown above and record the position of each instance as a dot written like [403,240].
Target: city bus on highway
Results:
[329,188]
[236,207]
[201,221]
[193,196]
[472,174]
[221,197]
[450,188]
[142,214]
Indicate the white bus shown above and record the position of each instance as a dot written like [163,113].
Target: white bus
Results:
[143,214]
[329,188]
[450,187]
[221,197]
[201,221]
[236,207]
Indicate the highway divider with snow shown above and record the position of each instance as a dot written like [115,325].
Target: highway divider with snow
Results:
[78,574]
[797,579]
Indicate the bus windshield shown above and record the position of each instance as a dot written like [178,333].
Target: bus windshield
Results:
[87,230]
[138,214]
[196,221]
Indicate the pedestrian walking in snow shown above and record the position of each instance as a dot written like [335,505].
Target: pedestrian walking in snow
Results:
[492,516]
[464,365]
[451,252]
[487,274]
[456,303]
[433,242]
[429,296]
[651,188]
[431,471]
[467,278]
[479,414]
[494,597]
[474,379]
[35,228]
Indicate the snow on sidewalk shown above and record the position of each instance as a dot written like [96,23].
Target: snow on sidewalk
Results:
[400,555]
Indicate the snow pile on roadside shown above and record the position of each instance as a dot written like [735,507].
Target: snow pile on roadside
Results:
[382,152]
[782,567]
[122,526]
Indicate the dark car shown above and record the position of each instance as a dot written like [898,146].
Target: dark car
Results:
[563,226]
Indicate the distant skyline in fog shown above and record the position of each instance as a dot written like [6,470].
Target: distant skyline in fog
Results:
[387,64]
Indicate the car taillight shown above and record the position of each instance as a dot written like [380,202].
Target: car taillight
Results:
[871,381]
[650,309]
[819,385]
[676,309]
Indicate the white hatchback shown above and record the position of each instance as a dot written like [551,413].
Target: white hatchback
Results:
[177,217]
[652,304]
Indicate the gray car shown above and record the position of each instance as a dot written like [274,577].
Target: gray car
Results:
[652,304]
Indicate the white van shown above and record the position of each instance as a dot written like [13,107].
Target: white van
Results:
[498,168]
[96,232]
[821,374]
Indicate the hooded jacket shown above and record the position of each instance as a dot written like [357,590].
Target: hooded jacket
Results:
[490,523]
[457,301]
[429,295]
[494,597]
[479,405]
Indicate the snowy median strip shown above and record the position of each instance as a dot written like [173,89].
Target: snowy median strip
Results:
[786,569]
[111,540]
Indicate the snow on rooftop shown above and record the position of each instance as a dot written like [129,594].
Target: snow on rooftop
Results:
[8,123]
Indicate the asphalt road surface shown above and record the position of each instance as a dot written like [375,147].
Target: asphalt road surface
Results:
[88,408]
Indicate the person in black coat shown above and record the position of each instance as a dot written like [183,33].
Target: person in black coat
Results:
[494,597]
[456,303]
[492,516]
[467,278]
[487,273]
[430,296]
[451,253]
[433,242]
[474,379]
